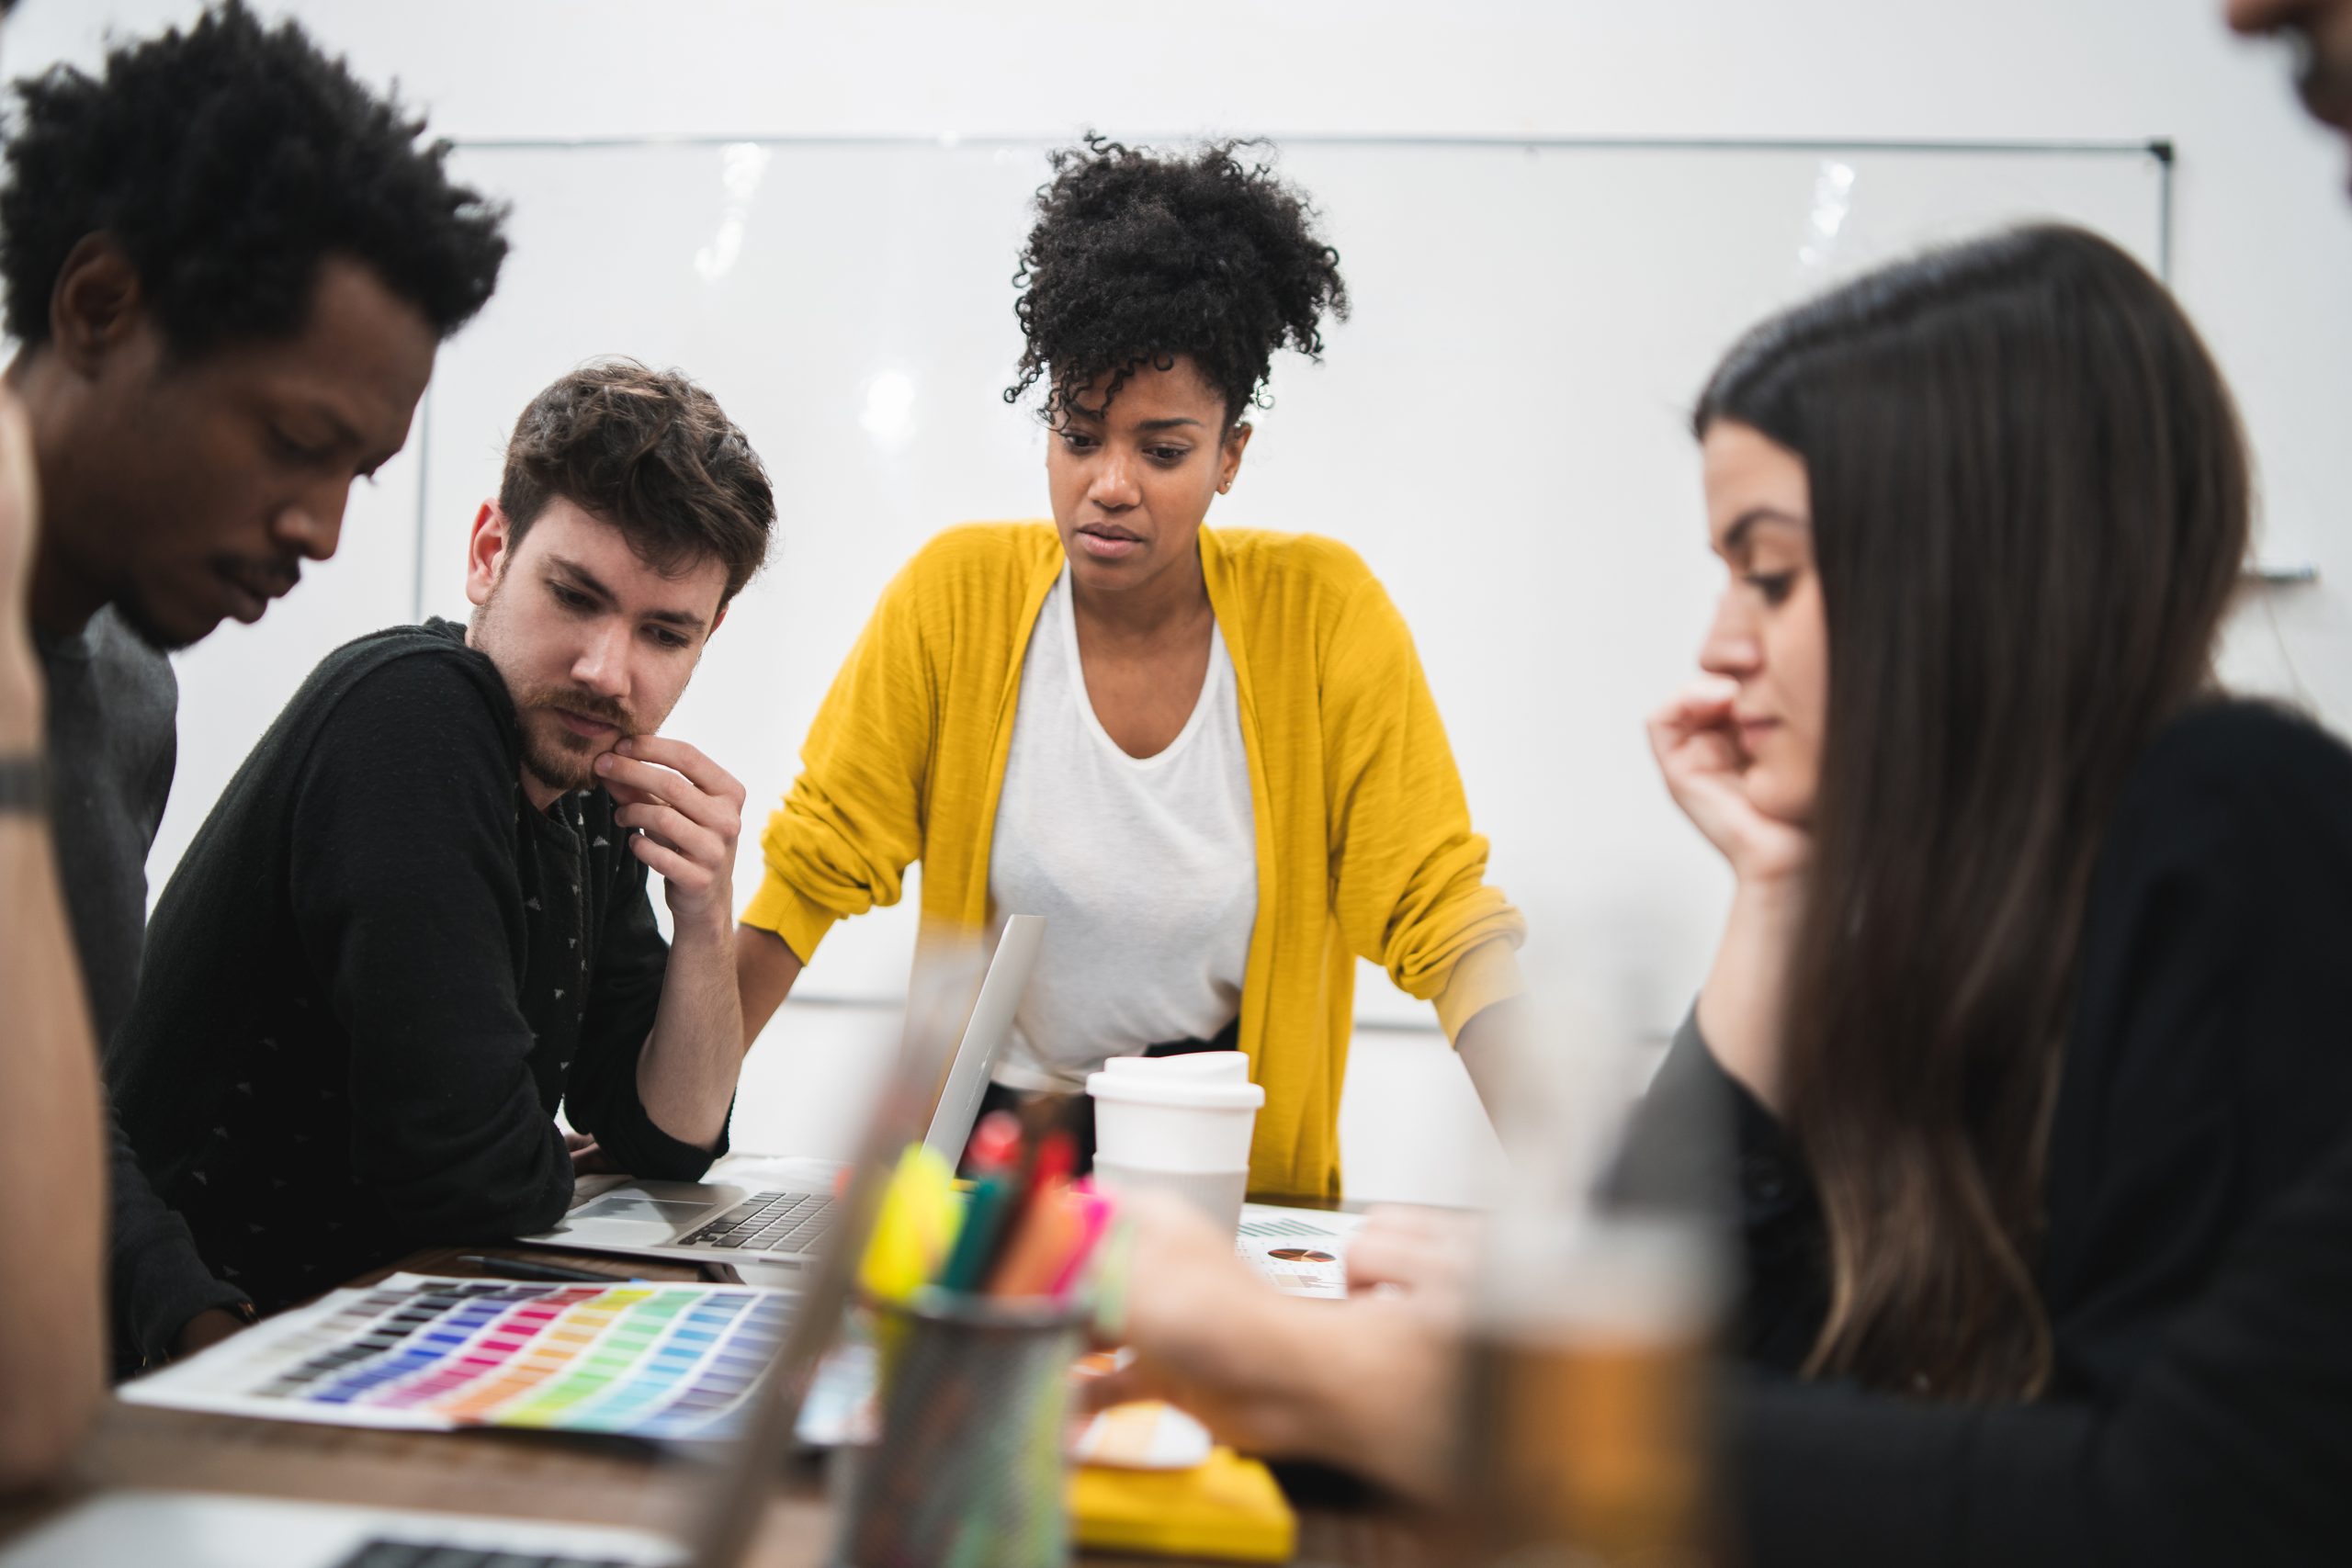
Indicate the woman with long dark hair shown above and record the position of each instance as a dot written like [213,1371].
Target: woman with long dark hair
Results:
[1983,516]
[2032,1000]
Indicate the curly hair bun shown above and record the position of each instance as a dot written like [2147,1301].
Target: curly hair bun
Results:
[1142,258]
[228,160]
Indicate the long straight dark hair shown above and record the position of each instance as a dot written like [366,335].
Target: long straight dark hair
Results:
[2029,509]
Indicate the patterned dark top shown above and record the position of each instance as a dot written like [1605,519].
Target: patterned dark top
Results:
[376,975]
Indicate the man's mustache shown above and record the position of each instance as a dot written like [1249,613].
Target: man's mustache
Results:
[588,704]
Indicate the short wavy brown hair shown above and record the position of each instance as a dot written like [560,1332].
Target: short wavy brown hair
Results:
[650,453]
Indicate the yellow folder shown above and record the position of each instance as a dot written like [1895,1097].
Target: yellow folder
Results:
[1227,1508]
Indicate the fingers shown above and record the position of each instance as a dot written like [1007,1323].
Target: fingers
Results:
[684,874]
[1693,737]
[1129,1383]
[643,782]
[1418,1249]
[1703,704]
[688,761]
[683,812]
[673,829]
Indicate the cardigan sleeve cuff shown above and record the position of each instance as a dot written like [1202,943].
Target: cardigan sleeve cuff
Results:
[1485,974]
[791,914]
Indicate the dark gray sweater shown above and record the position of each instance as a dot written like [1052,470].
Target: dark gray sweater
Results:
[375,975]
[113,740]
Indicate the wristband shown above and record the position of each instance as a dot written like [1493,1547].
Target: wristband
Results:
[24,784]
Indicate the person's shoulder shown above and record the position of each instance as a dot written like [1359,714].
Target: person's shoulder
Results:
[2243,784]
[1264,555]
[408,684]
[985,551]
[970,582]
[2256,751]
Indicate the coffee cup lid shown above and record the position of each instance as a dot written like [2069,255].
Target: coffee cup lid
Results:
[1206,1080]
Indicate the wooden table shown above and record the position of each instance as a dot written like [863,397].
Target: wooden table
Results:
[544,1475]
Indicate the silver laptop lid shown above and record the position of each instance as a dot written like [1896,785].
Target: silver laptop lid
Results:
[985,1033]
[721,1530]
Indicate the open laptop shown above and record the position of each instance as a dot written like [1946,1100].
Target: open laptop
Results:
[192,1529]
[769,1234]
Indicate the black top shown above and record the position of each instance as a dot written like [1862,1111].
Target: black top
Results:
[2196,1267]
[113,709]
[376,973]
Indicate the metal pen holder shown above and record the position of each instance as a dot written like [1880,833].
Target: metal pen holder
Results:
[968,1469]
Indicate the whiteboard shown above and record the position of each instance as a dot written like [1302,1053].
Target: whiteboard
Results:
[1499,430]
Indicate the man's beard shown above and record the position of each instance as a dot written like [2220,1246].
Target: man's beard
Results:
[552,753]
[133,614]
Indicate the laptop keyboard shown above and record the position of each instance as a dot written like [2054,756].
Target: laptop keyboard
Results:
[769,1222]
[386,1553]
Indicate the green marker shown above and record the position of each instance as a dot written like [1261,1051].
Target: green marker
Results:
[984,1214]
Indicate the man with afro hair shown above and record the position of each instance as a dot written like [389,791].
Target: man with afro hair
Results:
[229,265]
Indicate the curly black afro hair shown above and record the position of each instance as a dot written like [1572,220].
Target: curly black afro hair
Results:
[1138,258]
[228,160]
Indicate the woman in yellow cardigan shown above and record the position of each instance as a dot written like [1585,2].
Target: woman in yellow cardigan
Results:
[1210,759]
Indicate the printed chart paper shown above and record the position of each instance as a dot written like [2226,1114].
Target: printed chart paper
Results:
[649,1360]
[1300,1252]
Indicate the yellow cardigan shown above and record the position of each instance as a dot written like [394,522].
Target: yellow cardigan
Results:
[1363,840]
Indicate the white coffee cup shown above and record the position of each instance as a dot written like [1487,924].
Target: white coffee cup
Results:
[1180,1124]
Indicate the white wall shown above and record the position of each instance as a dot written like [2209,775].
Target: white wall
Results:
[2262,259]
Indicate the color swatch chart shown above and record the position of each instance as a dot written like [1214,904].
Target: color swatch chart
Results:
[651,1360]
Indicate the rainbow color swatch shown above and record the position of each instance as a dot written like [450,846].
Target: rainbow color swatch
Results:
[649,1360]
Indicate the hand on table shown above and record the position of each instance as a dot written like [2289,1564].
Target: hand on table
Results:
[1364,1384]
[206,1329]
[587,1159]
[1407,1250]
[686,813]
[1195,1319]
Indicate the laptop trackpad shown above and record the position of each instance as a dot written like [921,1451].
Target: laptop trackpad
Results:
[630,1218]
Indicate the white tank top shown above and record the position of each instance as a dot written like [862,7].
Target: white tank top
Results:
[1144,868]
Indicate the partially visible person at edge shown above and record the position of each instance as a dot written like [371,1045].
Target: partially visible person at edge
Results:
[1208,757]
[418,919]
[52,1159]
[2029,1010]
[229,265]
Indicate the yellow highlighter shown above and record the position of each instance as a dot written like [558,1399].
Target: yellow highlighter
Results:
[915,1229]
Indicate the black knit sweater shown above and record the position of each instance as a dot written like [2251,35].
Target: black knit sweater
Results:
[377,973]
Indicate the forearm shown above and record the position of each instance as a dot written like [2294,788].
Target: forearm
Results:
[52,1169]
[1745,999]
[685,1077]
[764,972]
[1487,1046]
